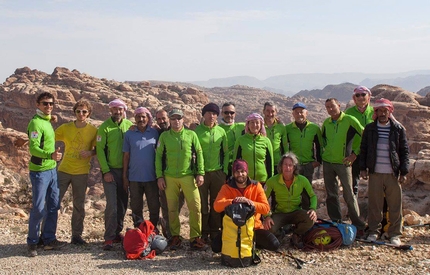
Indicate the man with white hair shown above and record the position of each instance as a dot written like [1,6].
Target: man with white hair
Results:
[385,160]
[139,167]
[110,136]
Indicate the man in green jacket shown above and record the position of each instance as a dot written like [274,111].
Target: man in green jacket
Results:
[304,140]
[43,177]
[363,112]
[340,151]
[216,158]
[110,137]
[178,159]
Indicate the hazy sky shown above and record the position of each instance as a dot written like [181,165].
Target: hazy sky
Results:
[198,40]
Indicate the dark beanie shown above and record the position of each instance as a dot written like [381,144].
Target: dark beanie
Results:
[240,164]
[210,107]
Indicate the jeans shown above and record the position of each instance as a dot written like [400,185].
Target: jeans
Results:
[46,203]
[116,205]
[150,189]
[79,189]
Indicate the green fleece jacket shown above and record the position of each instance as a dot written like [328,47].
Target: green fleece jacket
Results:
[364,118]
[179,154]
[306,144]
[288,200]
[233,131]
[338,138]
[277,136]
[110,137]
[41,137]
[257,151]
[215,147]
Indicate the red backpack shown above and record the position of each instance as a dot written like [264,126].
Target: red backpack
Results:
[137,242]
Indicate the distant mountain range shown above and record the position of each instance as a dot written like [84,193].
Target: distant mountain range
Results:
[291,84]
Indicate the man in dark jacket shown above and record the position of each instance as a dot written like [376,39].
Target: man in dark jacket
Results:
[385,158]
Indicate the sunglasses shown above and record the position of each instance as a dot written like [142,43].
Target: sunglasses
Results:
[81,112]
[175,118]
[46,103]
[362,94]
[228,113]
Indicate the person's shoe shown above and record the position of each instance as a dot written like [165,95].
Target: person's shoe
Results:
[78,240]
[55,244]
[108,245]
[32,250]
[118,238]
[361,234]
[175,243]
[372,237]
[297,241]
[199,244]
[40,244]
[396,241]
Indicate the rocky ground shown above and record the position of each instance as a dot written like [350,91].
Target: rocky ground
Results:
[360,258]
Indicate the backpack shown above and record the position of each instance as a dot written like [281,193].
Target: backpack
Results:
[238,236]
[137,242]
[327,235]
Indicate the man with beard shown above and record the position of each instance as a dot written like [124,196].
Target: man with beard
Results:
[139,167]
[162,121]
[110,137]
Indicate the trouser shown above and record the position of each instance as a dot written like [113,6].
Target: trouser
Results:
[306,170]
[388,185]
[355,175]
[264,239]
[137,190]
[192,197]
[331,170]
[79,189]
[165,211]
[46,203]
[211,220]
[299,218]
[116,205]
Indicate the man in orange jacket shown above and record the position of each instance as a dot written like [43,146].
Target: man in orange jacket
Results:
[241,189]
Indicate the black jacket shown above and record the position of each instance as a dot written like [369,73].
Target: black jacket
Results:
[399,150]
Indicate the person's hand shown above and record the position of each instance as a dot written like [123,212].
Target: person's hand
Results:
[108,177]
[268,223]
[312,215]
[200,180]
[349,160]
[54,119]
[161,184]
[125,183]
[132,127]
[402,179]
[315,164]
[243,200]
[363,174]
[57,155]
[19,142]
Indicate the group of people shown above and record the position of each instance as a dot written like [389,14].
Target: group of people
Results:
[261,162]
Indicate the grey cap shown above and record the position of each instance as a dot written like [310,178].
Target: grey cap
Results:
[176,112]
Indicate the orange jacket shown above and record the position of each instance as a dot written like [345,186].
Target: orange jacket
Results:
[253,191]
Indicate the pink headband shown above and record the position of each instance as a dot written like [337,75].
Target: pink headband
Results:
[252,117]
[141,110]
[117,103]
[362,89]
[382,103]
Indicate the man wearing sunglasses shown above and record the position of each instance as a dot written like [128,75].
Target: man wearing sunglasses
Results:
[79,138]
[43,177]
[363,112]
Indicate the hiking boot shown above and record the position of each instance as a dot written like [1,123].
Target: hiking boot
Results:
[395,241]
[40,243]
[78,240]
[55,244]
[108,245]
[297,241]
[175,243]
[372,237]
[32,250]
[199,244]
[118,238]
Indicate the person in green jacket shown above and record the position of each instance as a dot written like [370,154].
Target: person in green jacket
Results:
[233,129]
[275,131]
[338,133]
[256,149]
[178,159]
[363,112]
[286,190]
[304,140]
[213,140]
[43,177]
[110,137]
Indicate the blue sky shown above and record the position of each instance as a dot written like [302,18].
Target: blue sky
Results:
[199,40]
